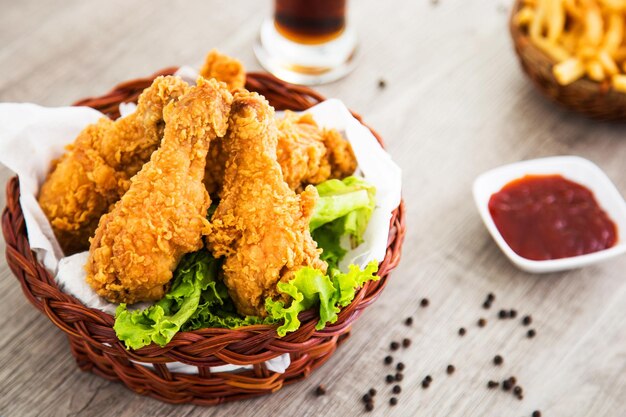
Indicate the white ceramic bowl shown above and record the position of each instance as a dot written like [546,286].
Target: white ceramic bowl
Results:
[574,168]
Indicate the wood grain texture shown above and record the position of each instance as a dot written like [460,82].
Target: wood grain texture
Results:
[455,105]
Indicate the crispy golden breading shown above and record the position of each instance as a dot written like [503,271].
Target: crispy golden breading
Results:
[224,68]
[307,154]
[260,226]
[138,244]
[95,171]
[310,155]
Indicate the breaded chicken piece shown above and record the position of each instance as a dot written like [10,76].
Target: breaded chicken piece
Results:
[95,171]
[260,226]
[231,71]
[224,68]
[138,244]
[307,154]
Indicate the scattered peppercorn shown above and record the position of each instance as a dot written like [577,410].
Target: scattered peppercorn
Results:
[393,401]
[497,360]
[512,313]
[400,366]
[424,302]
[517,390]
[396,389]
[506,385]
[481,322]
[491,297]
[503,314]
[399,376]
[320,390]
[428,378]
[367,399]
[492,384]
[487,305]
[513,380]
[536,413]
[372,392]
[406,342]
[390,378]
[531,333]
[527,320]
[382,83]
[388,359]
[369,406]
[394,345]
[425,383]
[462,331]
[408,321]
[450,369]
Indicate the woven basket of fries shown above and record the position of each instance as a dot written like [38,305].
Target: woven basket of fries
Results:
[574,53]
[97,349]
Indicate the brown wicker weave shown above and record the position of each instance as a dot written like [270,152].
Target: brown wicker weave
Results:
[596,100]
[97,349]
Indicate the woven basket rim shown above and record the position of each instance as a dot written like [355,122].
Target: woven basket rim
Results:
[95,326]
[522,41]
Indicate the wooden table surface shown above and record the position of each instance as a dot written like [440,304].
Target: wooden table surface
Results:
[456,104]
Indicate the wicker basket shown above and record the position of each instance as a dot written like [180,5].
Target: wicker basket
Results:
[594,99]
[96,348]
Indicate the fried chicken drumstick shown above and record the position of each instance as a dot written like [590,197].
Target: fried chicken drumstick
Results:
[95,171]
[162,215]
[307,154]
[260,226]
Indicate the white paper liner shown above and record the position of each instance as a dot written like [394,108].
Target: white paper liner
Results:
[32,136]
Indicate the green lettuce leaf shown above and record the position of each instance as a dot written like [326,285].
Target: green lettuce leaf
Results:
[343,209]
[196,300]
[311,287]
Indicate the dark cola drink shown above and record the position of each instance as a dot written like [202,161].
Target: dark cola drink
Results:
[310,21]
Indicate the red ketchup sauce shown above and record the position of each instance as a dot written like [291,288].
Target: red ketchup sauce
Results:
[549,217]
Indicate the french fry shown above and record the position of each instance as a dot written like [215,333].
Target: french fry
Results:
[554,51]
[535,29]
[614,33]
[568,71]
[607,63]
[593,27]
[619,83]
[595,71]
[524,16]
[555,19]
